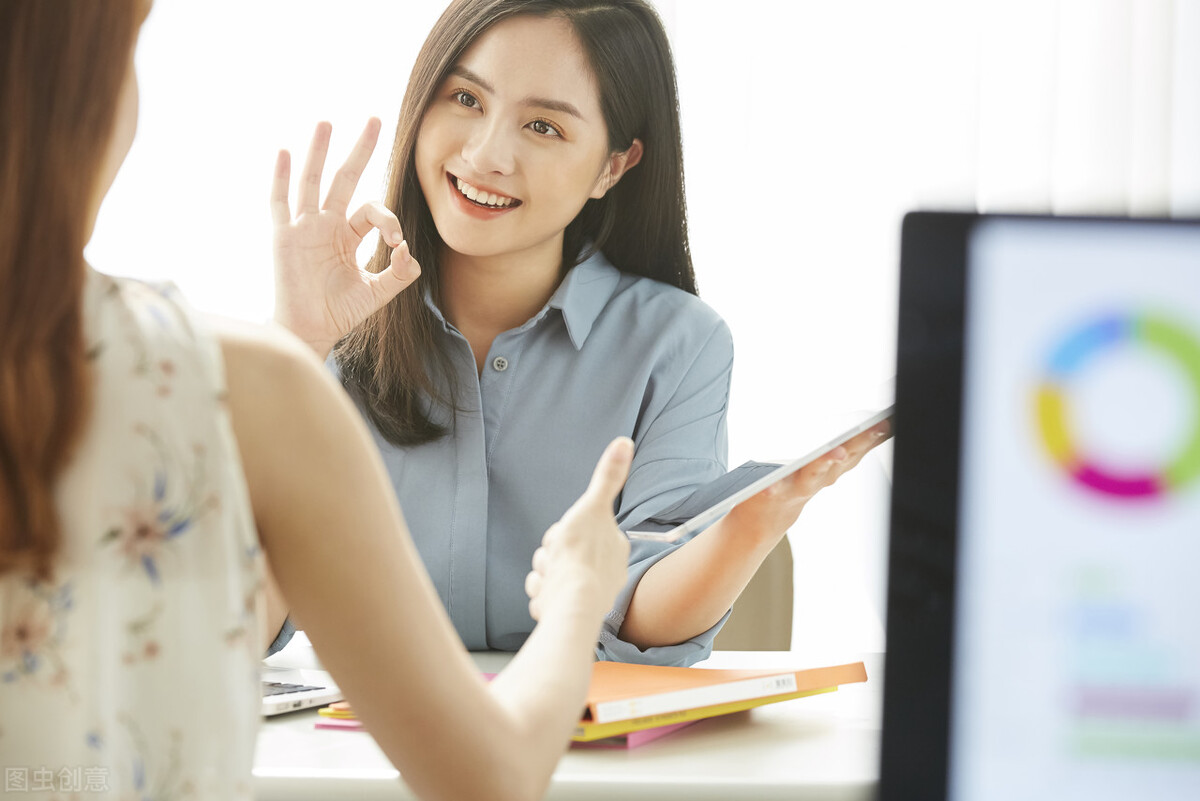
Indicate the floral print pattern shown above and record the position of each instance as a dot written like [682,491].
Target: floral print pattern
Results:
[159,515]
[31,630]
[131,672]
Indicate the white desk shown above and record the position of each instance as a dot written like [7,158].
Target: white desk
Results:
[825,747]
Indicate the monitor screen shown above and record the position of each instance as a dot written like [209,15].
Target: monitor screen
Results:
[1076,623]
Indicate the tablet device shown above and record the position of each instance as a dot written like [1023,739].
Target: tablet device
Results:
[730,490]
[1045,520]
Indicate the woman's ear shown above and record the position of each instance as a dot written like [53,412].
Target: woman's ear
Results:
[615,166]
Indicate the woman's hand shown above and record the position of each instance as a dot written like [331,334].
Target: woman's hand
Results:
[583,556]
[688,591]
[321,293]
[768,515]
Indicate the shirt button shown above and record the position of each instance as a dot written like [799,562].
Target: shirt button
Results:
[499,364]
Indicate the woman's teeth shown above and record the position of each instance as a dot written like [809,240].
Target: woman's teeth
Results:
[482,198]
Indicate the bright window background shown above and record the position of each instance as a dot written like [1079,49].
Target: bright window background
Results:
[810,127]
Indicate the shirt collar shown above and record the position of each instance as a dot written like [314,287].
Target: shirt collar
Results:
[582,295]
[433,307]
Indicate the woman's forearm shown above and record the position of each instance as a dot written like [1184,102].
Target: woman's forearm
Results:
[687,592]
[543,691]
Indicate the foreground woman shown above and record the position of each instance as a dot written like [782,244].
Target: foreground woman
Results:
[144,458]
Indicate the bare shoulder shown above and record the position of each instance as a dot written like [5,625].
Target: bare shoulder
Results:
[251,350]
[281,398]
[300,438]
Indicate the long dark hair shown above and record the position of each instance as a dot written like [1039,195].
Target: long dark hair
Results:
[62,67]
[392,363]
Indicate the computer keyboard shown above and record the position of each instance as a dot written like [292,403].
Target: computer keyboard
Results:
[278,688]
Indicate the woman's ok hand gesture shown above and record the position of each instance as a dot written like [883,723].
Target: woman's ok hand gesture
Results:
[321,293]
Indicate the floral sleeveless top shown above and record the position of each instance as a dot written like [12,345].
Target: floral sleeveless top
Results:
[133,673]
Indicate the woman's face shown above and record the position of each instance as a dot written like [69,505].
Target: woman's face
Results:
[514,143]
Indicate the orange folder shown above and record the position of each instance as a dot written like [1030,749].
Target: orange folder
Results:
[628,705]
[621,691]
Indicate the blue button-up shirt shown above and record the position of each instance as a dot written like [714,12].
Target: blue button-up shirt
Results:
[610,354]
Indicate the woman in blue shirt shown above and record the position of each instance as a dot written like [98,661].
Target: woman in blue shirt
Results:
[536,188]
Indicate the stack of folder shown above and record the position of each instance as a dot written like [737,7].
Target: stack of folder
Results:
[630,705]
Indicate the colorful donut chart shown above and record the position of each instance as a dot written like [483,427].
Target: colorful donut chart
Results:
[1071,357]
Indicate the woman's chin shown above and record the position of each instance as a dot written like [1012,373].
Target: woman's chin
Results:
[476,244]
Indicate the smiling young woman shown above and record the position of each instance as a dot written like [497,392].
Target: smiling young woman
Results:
[536,188]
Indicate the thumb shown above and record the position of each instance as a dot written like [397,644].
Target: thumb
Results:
[611,472]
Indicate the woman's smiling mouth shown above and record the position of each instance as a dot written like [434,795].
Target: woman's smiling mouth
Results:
[481,198]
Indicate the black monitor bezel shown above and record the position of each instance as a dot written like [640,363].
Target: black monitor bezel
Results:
[923,541]
[924,506]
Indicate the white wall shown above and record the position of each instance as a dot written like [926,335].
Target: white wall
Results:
[810,128]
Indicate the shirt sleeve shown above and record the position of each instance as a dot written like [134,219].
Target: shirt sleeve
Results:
[286,632]
[681,444]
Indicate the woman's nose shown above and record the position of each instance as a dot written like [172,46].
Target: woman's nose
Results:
[490,149]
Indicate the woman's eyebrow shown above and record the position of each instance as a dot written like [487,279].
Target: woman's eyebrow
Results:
[463,72]
[553,105]
[539,102]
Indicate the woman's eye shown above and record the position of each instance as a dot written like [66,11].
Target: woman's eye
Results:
[466,99]
[544,128]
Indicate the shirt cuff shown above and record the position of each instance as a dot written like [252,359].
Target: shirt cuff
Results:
[284,637]
[611,648]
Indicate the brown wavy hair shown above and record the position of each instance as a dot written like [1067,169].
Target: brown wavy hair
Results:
[389,363]
[62,66]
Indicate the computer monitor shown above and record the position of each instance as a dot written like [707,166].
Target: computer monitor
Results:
[1043,621]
